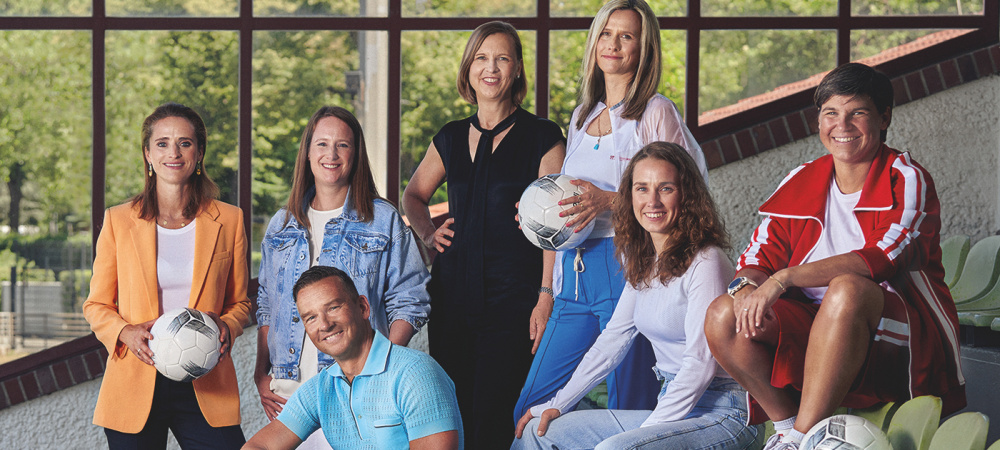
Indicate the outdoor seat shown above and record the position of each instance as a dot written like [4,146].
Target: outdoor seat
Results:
[954,252]
[979,274]
[914,423]
[966,431]
[880,414]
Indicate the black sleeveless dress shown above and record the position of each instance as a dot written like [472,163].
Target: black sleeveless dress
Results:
[485,285]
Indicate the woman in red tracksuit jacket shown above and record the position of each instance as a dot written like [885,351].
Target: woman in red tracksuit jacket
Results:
[839,300]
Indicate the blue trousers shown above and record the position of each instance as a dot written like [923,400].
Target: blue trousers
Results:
[718,421]
[580,312]
[175,407]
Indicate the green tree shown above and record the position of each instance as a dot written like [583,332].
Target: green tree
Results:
[45,126]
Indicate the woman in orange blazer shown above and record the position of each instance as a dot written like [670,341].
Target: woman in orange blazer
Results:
[172,245]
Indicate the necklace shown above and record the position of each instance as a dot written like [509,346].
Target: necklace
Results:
[601,133]
[164,222]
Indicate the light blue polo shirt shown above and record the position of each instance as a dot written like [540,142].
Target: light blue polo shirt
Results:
[401,395]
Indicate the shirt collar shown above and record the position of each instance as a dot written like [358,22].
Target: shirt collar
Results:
[349,213]
[799,197]
[378,359]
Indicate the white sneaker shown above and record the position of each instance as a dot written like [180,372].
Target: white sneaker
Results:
[778,442]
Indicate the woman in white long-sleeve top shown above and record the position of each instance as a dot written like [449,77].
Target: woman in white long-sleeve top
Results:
[672,240]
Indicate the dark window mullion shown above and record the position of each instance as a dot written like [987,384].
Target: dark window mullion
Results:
[245,140]
[98,105]
[393,108]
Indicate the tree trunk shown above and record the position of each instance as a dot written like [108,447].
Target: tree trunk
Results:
[14,188]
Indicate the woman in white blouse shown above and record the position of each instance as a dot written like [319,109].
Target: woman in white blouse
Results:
[671,240]
[618,112]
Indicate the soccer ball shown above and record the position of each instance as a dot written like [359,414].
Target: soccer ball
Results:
[539,210]
[185,344]
[845,432]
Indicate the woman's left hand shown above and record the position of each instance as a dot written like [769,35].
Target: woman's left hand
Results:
[543,422]
[586,206]
[224,336]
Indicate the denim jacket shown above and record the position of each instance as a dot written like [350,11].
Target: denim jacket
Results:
[381,257]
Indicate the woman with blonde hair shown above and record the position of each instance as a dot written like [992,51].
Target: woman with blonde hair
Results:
[485,281]
[619,112]
[673,243]
[171,246]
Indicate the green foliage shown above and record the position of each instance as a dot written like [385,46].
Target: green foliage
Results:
[45,8]
[45,126]
[45,105]
[295,73]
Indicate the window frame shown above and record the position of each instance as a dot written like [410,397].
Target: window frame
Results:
[986,32]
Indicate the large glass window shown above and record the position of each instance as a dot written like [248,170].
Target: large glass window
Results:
[148,68]
[736,64]
[78,80]
[45,163]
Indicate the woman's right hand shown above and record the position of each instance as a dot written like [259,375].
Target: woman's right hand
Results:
[272,403]
[136,338]
[441,237]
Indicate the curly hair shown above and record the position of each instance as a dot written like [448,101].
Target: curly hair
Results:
[697,226]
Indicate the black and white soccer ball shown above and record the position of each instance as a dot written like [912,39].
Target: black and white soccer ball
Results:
[845,432]
[539,210]
[185,344]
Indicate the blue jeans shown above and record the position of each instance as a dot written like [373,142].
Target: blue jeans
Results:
[575,323]
[718,421]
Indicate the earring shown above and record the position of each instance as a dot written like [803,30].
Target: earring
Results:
[150,169]
[198,168]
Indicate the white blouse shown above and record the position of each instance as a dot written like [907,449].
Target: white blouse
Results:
[672,317]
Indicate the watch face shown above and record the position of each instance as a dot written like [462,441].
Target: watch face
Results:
[735,283]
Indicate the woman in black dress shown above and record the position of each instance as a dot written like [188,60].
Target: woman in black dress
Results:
[486,306]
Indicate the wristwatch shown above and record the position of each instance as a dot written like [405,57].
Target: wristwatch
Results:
[739,283]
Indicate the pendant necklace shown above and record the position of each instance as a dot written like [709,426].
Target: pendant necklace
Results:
[601,133]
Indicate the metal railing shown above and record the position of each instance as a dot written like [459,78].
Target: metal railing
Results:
[38,331]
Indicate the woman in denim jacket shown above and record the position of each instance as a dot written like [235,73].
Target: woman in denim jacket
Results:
[339,221]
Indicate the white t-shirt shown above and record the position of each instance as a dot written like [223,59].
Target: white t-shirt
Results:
[841,232]
[174,268]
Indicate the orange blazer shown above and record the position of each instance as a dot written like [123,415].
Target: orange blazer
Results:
[123,290]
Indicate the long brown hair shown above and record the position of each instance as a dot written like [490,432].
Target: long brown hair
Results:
[698,225]
[647,75]
[363,189]
[201,190]
[519,89]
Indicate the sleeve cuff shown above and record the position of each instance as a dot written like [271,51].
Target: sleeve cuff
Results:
[879,266]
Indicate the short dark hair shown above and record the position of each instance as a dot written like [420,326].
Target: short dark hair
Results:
[856,79]
[316,274]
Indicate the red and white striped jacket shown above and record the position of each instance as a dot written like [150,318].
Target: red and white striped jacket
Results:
[900,215]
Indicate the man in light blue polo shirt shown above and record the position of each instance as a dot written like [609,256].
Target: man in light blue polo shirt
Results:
[377,396]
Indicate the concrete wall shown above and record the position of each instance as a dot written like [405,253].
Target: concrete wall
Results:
[955,135]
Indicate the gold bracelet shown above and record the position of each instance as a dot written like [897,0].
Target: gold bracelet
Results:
[779,284]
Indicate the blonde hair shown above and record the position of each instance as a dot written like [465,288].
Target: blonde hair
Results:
[519,89]
[647,76]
